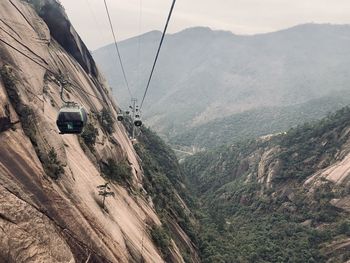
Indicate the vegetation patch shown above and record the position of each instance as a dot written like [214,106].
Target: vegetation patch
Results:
[53,166]
[320,140]
[119,172]
[162,239]
[25,113]
[28,121]
[242,220]
[106,121]
[89,136]
[163,178]
[104,191]
[10,81]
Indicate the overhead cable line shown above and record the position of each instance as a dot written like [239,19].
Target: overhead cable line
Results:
[117,48]
[49,70]
[24,54]
[93,14]
[158,51]
[139,47]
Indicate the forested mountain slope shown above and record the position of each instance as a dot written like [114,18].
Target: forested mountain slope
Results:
[259,122]
[50,207]
[281,198]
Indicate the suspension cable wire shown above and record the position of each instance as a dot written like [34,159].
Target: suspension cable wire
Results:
[48,70]
[27,56]
[139,46]
[158,51]
[93,14]
[117,48]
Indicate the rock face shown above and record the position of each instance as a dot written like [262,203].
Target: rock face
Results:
[61,220]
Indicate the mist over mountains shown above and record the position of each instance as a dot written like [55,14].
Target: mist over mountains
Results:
[204,74]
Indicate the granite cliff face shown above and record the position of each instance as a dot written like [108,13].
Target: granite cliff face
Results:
[50,210]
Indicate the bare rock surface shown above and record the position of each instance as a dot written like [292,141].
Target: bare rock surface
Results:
[46,220]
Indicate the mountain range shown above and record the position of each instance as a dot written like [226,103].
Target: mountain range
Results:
[204,75]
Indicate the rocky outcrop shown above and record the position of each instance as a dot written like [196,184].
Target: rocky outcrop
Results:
[299,180]
[50,210]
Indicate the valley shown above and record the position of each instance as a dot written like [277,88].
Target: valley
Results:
[278,199]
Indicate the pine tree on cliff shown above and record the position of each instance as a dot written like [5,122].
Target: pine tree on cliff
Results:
[104,191]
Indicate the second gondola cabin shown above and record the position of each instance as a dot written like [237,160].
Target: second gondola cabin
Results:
[120,117]
[137,121]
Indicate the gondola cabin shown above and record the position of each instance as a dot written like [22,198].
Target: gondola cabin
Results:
[137,121]
[71,119]
[120,117]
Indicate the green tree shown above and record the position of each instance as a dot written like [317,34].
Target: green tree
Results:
[89,135]
[104,190]
[107,121]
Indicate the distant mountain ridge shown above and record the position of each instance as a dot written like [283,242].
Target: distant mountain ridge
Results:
[204,74]
[258,122]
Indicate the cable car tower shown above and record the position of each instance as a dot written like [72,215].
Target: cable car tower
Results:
[136,109]
[135,116]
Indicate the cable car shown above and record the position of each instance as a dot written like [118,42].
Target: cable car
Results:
[137,121]
[120,117]
[71,119]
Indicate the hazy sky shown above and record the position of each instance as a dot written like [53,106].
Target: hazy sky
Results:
[238,16]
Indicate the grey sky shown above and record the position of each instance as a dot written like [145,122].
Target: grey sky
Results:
[238,16]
